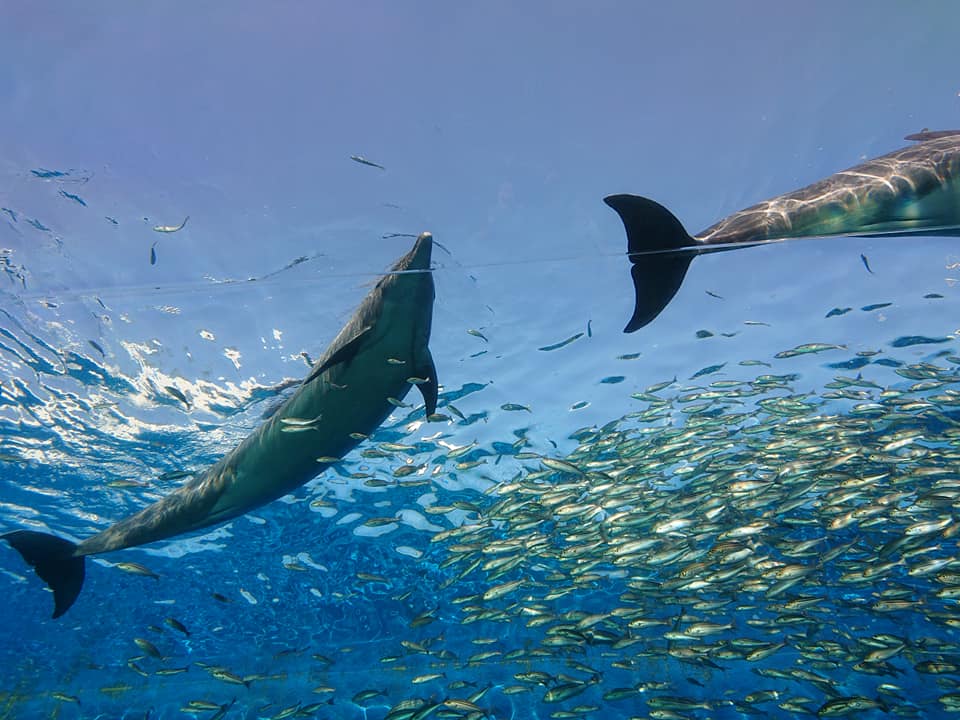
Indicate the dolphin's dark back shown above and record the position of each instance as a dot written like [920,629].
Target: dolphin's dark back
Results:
[896,194]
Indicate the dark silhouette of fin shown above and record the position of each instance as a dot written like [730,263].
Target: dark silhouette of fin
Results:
[657,276]
[344,354]
[55,563]
[430,388]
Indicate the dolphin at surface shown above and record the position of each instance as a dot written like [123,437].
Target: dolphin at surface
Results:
[912,191]
[351,389]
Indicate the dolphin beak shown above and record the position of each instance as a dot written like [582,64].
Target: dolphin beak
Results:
[419,257]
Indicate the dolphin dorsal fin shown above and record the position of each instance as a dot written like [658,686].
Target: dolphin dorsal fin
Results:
[345,353]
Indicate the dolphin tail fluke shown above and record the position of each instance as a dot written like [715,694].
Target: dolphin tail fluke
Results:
[54,561]
[654,237]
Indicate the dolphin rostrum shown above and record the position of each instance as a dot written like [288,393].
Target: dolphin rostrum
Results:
[351,389]
[912,191]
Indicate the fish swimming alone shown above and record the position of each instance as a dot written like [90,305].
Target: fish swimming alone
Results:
[363,161]
[912,191]
[345,397]
[171,228]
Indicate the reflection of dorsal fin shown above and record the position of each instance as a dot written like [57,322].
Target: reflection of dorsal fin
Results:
[926,134]
[431,387]
[343,354]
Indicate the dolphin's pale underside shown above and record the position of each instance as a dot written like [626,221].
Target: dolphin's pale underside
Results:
[912,191]
[349,392]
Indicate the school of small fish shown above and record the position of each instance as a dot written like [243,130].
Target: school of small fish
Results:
[810,540]
[731,548]
[727,529]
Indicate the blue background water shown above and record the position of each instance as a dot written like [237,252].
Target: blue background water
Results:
[501,128]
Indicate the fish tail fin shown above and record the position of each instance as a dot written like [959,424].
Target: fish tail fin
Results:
[652,233]
[54,561]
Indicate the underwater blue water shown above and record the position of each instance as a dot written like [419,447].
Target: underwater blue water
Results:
[501,129]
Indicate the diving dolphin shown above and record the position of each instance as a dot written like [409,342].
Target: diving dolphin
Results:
[912,191]
[349,392]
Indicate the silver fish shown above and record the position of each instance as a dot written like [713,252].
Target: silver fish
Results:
[170,228]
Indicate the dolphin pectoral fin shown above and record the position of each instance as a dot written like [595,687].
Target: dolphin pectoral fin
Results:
[431,387]
[655,239]
[54,562]
[343,354]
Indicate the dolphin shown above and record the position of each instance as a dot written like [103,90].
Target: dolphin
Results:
[367,370]
[912,191]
